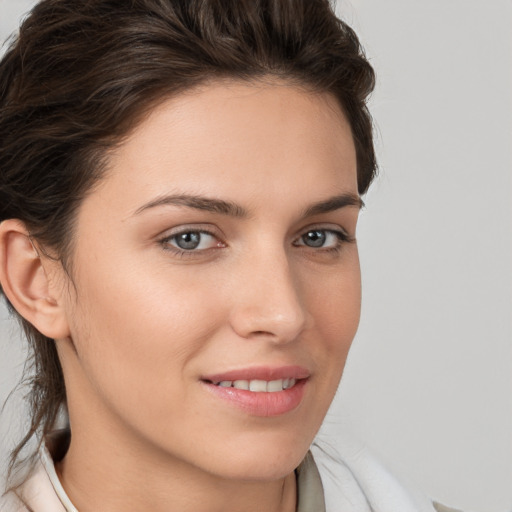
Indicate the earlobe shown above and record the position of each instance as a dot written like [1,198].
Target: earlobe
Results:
[25,281]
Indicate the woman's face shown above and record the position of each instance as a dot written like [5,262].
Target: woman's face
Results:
[217,254]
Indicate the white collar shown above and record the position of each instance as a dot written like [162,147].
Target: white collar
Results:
[49,467]
[353,479]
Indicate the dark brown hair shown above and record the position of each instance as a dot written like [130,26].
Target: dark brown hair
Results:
[81,74]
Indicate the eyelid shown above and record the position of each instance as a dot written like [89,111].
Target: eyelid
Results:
[342,238]
[187,228]
[206,229]
[331,228]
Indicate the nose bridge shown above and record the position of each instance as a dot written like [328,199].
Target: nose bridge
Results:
[268,300]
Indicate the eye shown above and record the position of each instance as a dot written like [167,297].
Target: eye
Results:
[322,239]
[192,241]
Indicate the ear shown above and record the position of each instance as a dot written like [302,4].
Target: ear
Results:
[24,275]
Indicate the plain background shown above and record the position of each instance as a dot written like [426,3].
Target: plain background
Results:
[428,384]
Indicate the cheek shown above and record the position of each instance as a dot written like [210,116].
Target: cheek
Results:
[131,306]
[135,336]
[335,307]
[335,299]
[340,313]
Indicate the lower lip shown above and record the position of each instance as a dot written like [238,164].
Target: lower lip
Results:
[261,404]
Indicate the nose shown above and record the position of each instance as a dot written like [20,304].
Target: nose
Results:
[268,302]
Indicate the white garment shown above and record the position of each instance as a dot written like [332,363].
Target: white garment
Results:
[354,482]
[42,491]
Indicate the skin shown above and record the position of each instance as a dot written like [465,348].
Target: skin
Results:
[141,322]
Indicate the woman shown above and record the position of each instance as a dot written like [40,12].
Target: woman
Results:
[180,187]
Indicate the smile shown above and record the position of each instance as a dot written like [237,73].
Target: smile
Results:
[258,386]
[261,391]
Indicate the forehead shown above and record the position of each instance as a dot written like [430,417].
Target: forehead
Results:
[235,138]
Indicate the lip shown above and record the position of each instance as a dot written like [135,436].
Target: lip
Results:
[260,373]
[263,404]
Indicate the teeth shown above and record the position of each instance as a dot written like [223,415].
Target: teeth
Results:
[275,385]
[259,386]
[289,383]
[241,384]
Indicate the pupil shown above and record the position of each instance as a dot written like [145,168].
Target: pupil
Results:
[188,241]
[314,238]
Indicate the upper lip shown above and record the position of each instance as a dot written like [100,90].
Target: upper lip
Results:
[267,373]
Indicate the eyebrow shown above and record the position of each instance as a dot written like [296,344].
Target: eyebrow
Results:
[198,203]
[235,210]
[334,203]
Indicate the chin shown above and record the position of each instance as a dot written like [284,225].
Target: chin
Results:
[263,459]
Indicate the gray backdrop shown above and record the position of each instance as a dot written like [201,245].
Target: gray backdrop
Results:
[429,383]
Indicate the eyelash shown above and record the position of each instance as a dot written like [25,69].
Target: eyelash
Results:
[184,253]
[341,236]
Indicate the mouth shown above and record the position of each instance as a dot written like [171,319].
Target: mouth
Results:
[260,391]
[257,385]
